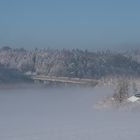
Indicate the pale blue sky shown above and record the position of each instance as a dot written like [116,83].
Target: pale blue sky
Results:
[87,24]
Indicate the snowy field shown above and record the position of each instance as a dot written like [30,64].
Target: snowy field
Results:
[63,114]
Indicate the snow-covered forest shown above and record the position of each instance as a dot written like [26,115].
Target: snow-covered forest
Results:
[71,63]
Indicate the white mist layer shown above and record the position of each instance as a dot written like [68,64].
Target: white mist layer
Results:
[63,114]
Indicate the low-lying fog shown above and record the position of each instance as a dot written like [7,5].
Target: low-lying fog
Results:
[63,114]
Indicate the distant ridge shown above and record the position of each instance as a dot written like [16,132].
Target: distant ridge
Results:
[69,63]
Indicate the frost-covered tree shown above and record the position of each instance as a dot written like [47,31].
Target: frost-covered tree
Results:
[134,88]
[121,91]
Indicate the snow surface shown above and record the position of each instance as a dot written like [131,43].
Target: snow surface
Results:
[133,99]
[63,114]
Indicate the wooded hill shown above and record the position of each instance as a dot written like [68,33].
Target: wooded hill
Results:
[70,63]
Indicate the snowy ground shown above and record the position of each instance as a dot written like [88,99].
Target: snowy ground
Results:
[63,114]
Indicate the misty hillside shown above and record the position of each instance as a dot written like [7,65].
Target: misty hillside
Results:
[70,63]
[8,75]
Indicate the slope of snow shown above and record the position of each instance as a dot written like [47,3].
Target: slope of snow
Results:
[133,99]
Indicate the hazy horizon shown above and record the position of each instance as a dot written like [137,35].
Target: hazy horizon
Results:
[70,24]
